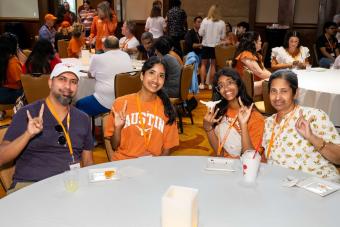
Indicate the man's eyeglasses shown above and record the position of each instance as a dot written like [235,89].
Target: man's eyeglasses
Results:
[221,86]
[61,138]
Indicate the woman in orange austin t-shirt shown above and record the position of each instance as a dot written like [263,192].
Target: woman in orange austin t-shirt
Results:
[10,70]
[233,126]
[103,25]
[143,123]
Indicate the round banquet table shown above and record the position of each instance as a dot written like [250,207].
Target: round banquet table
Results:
[86,84]
[320,88]
[135,199]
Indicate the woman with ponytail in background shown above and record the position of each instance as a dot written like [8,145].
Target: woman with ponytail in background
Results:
[143,123]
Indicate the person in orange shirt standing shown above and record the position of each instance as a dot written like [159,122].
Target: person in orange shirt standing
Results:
[143,123]
[77,41]
[233,126]
[103,25]
[10,70]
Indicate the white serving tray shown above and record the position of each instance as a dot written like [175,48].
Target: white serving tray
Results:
[319,186]
[220,164]
[103,174]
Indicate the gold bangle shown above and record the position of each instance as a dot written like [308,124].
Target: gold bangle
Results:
[323,145]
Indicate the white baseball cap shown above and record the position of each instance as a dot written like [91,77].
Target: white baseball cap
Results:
[62,68]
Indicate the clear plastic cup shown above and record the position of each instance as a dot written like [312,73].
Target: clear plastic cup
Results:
[71,180]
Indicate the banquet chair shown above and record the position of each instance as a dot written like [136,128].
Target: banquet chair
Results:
[62,48]
[26,52]
[224,54]
[35,87]
[185,83]
[125,83]
[262,105]
[107,143]
[264,50]
[6,170]
[316,56]
[182,44]
[268,108]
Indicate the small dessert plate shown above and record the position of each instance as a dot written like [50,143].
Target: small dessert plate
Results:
[104,174]
[220,164]
[319,186]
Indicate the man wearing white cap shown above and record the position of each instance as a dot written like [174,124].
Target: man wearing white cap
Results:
[48,136]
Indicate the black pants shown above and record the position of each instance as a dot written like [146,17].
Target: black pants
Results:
[8,95]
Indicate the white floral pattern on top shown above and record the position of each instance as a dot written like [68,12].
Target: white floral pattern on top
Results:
[283,57]
[292,151]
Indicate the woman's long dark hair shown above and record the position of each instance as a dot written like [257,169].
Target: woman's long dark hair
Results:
[169,110]
[242,93]
[247,43]
[39,60]
[8,49]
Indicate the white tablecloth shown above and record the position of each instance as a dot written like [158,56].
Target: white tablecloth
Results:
[320,88]
[136,201]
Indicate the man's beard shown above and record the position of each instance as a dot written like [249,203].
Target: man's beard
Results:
[64,100]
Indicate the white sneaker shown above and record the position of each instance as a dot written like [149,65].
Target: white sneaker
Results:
[201,86]
[210,87]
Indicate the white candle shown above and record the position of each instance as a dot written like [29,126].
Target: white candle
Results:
[179,207]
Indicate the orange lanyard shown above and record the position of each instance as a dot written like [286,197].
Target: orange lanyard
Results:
[273,136]
[125,43]
[140,118]
[68,119]
[221,144]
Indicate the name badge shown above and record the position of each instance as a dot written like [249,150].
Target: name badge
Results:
[74,165]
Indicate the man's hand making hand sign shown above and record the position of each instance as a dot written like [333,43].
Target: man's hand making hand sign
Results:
[35,125]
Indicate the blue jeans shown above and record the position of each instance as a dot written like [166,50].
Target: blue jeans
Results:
[9,95]
[91,106]
[325,62]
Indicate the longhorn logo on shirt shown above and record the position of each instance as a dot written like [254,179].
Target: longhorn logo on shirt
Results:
[148,119]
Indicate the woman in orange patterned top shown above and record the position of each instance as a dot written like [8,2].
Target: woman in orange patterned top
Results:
[233,126]
[143,123]
[10,70]
[103,25]
[247,57]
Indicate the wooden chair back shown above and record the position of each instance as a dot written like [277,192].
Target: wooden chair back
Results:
[62,48]
[125,84]
[107,142]
[186,78]
[269,109]
[316,56]
[248,80]
[224,54]
[35,87]
[6,170]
